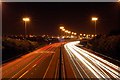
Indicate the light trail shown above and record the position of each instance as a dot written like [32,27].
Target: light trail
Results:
[101,68]
[22,67]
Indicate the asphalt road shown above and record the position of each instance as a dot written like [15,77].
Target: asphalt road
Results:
[87,65]
[59,61]
[33,65]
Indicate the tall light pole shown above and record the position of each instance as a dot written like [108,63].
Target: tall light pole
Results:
[26,19]
[95,20]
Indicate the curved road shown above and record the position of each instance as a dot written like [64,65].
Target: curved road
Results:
[90,66]
[60,62]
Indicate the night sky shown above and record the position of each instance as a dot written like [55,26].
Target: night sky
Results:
[46,17]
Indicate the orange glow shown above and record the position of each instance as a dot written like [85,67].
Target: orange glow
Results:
[94,18]
[61,27]
[26,19]
[80,34]
[66,31]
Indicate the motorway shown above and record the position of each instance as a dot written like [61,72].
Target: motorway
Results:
[87,65]
[60,61]
[43,63]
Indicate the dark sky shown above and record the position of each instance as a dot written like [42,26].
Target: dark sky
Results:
[46,17]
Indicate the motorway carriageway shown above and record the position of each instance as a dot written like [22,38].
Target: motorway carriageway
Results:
[59,61]
[87,65]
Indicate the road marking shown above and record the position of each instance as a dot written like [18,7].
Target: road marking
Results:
[48,67]
[23,75]
[82,69]
[63,67]
[56,69]
[25,66]
[34,65]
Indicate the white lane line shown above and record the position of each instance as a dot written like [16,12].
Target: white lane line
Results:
[34,65]
[56,69]
[23,75]
[48,67]
[25,72]
[25,67]
[63,65]
[82,69]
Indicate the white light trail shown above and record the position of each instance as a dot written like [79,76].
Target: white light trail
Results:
[98,66]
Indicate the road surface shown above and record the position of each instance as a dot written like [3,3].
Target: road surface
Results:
[42,63]
[60,61]
[89,66]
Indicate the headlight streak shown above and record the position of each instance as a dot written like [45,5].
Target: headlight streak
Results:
[102,72]
[80,58]
[97,61]
[69,52]
[104,61]
[92,68]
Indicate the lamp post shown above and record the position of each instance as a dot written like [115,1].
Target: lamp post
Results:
[26,19]
[95,20]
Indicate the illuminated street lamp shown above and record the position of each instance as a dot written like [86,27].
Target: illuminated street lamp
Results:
[75,33]
[26,19]
[72,32]
[61,28]
[84,34]
[92,35]
[69,32]
[95,20]
[80,34]
[66,31]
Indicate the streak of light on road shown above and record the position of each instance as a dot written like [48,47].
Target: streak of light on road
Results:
[100,68]
[27,66]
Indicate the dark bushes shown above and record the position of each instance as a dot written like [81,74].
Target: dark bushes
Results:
[15,47]
[107,44]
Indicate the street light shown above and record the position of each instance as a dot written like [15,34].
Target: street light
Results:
[26,19]
[75,33]
[61,28]
[72,32]
[66,31]
[95,20]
